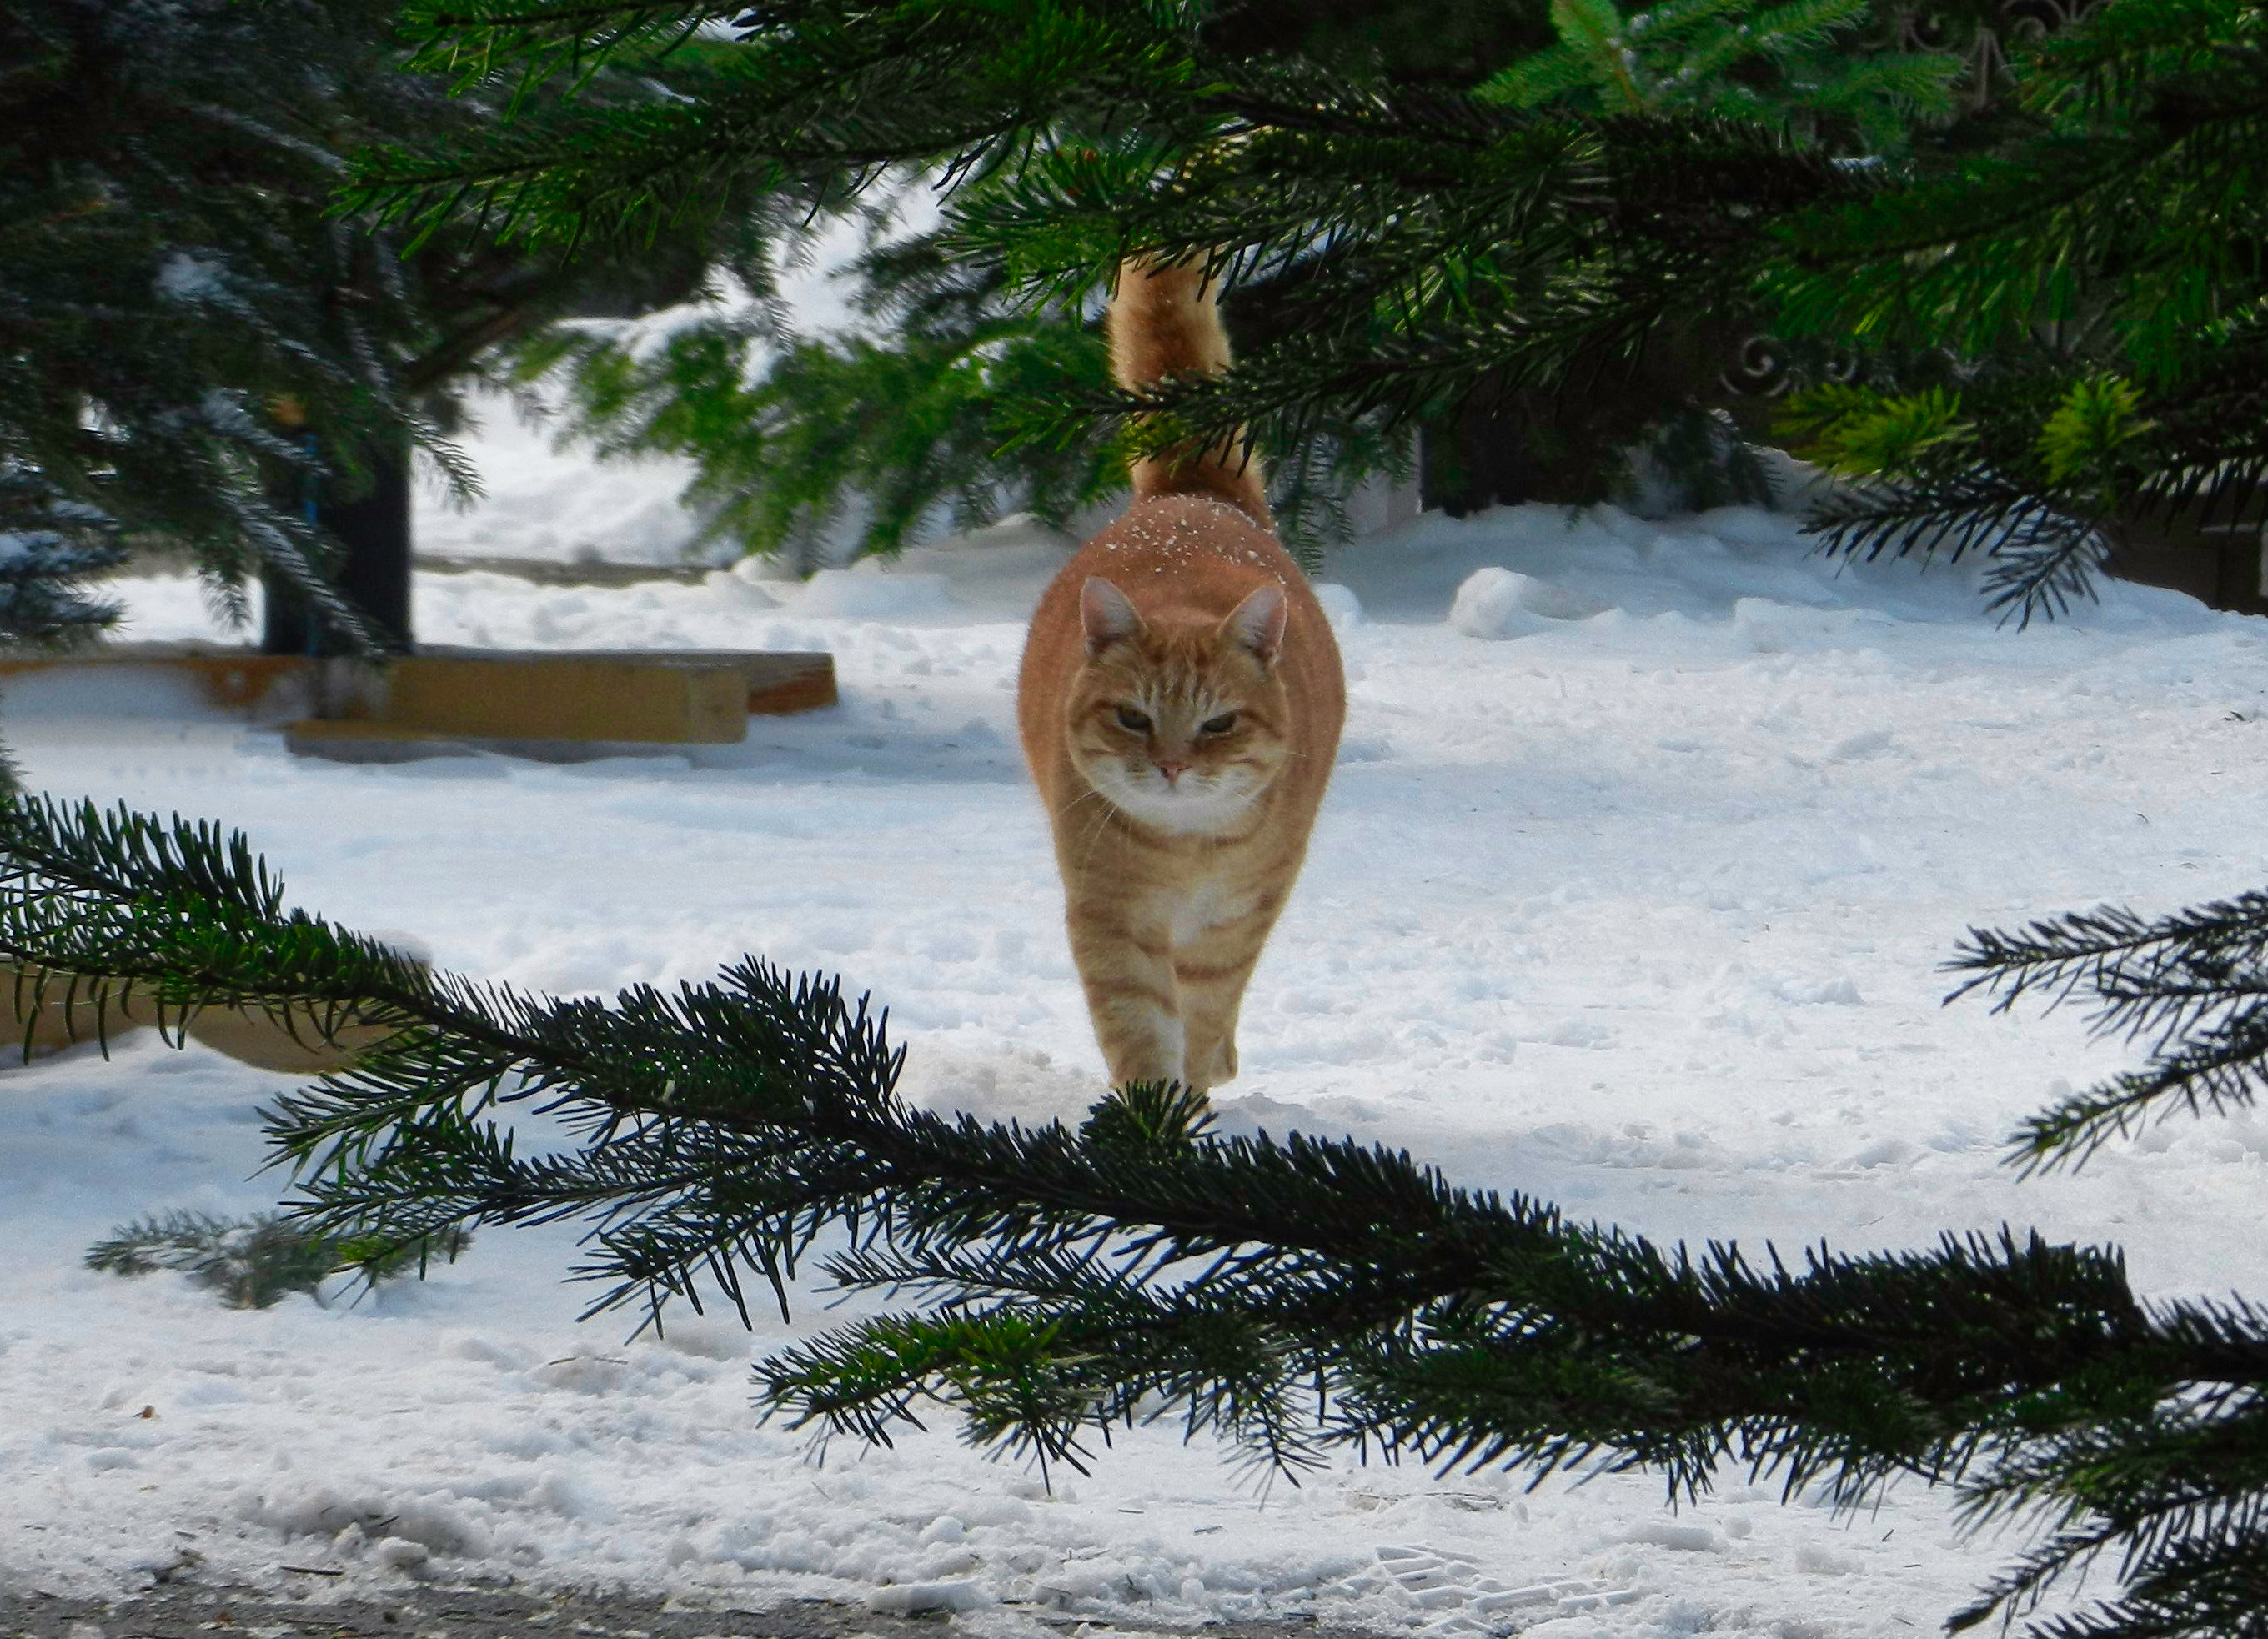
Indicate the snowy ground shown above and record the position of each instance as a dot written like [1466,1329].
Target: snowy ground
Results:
[1629,894]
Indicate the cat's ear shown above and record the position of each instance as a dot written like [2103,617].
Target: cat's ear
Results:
[1107,614]
[1257,624]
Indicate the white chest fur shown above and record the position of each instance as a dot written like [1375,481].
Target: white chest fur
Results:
[1200,905]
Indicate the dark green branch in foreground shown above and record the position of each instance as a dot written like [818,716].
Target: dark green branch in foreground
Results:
[2193,985]
[1289,1297]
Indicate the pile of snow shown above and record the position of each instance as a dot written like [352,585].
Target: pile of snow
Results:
[1505,603]
[1645,843]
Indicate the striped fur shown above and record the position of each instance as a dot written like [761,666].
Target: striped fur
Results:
[1163,323]
[1180,704]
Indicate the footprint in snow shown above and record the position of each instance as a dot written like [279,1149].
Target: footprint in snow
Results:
[1451,1585]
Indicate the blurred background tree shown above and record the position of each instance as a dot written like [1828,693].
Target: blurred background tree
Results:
[198,354]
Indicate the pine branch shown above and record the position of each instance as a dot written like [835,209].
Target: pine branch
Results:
[2194,984]
[475,40]
[2159,199]
[255,1263]
[2044,559]
[49,548]
[815,92]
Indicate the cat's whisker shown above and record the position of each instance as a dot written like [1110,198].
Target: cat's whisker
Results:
[1094,834]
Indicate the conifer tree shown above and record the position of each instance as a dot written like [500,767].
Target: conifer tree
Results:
[880,435]
[172,271]
[915,416]
[2082,305]
[1554,229]
[194,344]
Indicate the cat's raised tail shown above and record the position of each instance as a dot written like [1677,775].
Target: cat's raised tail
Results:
[1165,322]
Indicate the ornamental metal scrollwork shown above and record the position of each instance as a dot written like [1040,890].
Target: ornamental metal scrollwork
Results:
[1762,367]
[1984,54]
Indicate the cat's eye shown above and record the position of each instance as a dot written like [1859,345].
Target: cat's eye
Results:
[1220,725]
[1133,721]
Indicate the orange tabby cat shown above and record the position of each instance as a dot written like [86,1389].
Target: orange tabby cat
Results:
[1180,701]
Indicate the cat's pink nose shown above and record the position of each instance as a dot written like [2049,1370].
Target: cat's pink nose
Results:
[1172,768]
